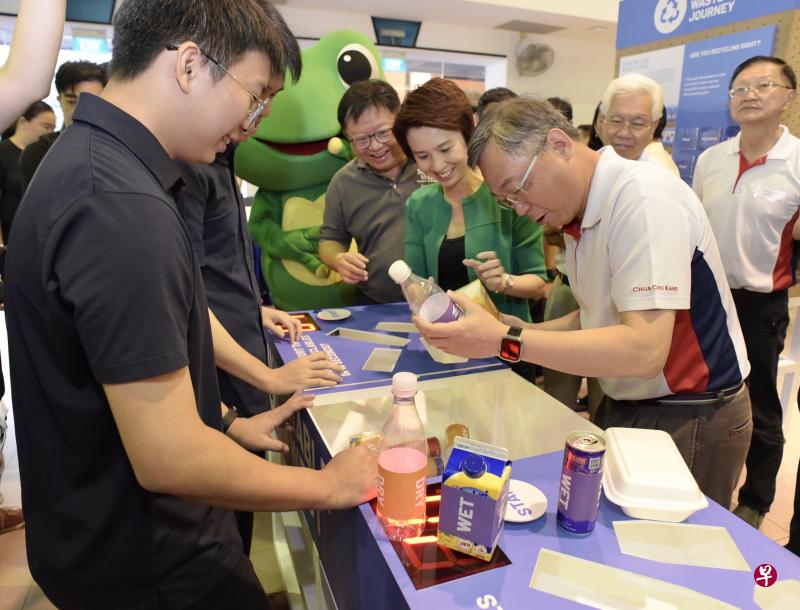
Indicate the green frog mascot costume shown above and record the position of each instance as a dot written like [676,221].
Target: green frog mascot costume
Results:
[291,158]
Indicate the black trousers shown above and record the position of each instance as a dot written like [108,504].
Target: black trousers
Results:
[764,318]
[241,590]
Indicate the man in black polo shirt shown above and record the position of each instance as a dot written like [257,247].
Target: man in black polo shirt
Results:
[123,463]
[214,214]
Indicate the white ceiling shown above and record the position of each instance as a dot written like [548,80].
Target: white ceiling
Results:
[579,17]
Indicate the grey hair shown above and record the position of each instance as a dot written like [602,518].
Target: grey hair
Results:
[517,126]
[634,83]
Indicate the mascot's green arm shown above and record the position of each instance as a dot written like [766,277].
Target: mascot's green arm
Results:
[299,245]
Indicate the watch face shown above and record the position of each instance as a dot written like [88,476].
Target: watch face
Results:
[510,349]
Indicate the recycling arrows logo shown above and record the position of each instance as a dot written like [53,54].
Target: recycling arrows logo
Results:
[669,15]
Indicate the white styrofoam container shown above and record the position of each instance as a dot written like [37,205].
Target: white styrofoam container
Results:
[646,476]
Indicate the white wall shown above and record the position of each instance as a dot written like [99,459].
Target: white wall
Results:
[315,23]
[579,74]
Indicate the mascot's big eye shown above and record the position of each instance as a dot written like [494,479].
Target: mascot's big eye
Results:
[356,63]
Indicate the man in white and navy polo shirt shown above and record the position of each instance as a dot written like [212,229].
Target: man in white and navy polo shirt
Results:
[656,322]
[750,187]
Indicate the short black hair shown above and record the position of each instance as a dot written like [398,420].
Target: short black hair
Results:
[563,106]
[365,94]
[223,29]
[71,73]
[662,123]
[492,96]
[595,143]
[786,69]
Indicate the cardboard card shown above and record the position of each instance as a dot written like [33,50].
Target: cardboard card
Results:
[782,595]
[600,586]
[382,359]
[441,356]
[397,327]
[368,337]
[476,291]
[680,543]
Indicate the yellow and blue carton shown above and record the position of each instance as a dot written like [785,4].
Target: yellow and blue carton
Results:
[474,495]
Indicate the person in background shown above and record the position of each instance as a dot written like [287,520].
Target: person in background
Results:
[656,324]
[72,79]
[631,109]
[26,75]
[37,120]
[455,231]
[750,188]
[492,96]
[655,151]
[24,78]
[585,132]
[111,341]
[365,199]
[563,106]
[595,138]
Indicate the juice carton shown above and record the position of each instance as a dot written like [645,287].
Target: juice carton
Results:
[474,494]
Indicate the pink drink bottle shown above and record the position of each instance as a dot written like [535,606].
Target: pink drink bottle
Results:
[425,298]
[402,461]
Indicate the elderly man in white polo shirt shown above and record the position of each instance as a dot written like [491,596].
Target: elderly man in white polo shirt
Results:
[631,110]
[656,322]
[750,187]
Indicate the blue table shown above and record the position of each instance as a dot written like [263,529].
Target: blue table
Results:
[353,354]
[522,542]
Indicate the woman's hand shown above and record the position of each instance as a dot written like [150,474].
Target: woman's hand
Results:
[489,269]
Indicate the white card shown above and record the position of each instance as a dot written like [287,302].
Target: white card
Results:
[397,327]
[382,359]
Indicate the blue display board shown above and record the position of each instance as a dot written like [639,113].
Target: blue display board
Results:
[645,21]
[703,110]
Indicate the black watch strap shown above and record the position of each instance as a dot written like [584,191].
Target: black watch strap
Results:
[229,418]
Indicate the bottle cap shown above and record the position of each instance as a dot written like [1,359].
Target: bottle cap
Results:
[474,466]
[399,271]
[404,384]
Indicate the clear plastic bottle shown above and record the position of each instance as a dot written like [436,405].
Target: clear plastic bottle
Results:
[402,461]
[425,298]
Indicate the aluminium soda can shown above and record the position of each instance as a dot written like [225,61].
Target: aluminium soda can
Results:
[581,481]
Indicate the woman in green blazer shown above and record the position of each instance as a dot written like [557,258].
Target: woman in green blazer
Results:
[455,231]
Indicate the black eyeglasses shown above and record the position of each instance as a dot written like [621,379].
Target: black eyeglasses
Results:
[384,136]
[257,108]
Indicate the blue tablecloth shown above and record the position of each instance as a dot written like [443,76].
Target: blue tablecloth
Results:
[522,542]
